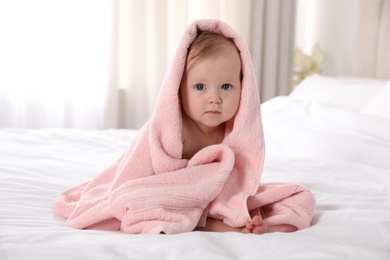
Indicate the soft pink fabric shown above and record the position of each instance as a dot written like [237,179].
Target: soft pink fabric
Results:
[151,189]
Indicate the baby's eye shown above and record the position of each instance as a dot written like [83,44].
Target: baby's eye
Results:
[199,87]
[226,86]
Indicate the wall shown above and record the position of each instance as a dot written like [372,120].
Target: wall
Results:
[331,24]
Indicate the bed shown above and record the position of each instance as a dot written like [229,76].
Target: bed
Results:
[331,134]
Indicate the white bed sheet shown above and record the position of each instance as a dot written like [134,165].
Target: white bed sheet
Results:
[341,155]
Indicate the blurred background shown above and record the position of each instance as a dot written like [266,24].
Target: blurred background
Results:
[99,64]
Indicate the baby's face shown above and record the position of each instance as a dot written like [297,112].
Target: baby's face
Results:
[211,88]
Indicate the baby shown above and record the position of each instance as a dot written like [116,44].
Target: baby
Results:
[210,93]
[218,150]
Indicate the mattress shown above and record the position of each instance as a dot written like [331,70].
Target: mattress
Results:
[341,154]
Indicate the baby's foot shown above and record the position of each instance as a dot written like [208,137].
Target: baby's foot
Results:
[257,226]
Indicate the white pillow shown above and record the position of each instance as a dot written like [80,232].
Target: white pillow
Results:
[379,105]
[347,92]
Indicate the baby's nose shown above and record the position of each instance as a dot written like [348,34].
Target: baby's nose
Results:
[215,97]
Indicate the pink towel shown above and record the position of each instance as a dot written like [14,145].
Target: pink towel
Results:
[151,189]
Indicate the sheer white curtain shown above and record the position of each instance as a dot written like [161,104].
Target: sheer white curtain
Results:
[55,62]
[99,63]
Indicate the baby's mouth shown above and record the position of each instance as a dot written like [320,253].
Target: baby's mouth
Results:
[213,112]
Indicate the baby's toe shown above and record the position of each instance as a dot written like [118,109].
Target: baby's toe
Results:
[257,221]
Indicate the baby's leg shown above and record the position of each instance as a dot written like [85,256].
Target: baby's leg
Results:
[215,225]
[256,226]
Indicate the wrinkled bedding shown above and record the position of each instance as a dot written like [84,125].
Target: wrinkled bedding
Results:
[342,155]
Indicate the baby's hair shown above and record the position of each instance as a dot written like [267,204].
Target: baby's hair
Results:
[205,45]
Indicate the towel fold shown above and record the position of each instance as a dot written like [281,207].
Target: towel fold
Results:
[151,189]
